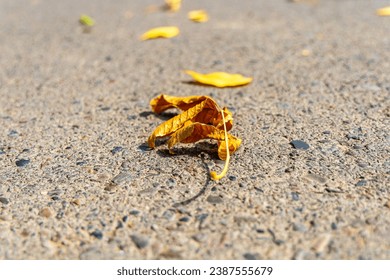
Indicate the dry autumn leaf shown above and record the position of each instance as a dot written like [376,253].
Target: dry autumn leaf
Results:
[219,79]
[198,16]
[306,52]
[173,5]
[201,118]
[383,11]
[86,20]
[160,32]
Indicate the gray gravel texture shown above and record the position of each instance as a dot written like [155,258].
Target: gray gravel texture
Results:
[78,182]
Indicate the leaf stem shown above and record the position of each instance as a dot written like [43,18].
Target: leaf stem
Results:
[214,174]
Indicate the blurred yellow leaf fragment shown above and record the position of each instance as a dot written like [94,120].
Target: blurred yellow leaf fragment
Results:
[306,52]
[173,5]
[160,32]
[219,79]
[198,16]
[86,20]
[383,12]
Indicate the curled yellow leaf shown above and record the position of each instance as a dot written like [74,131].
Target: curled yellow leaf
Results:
[219,79]
[383,11]
[207,112]
[161,32]
[175,123]
[164,102]
[173,5]
[198,16]
[201,118]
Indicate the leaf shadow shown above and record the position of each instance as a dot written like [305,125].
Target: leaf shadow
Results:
[162,116]
[195,83]
[201,192]
[193,152]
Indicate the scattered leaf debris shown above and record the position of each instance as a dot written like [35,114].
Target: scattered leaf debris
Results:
[198,16]
[86,20]
[173,5]
[219,79]
[383,12]
[160,32]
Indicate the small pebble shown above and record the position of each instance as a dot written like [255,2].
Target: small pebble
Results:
[333,226]
[22,162]
[45,212]
[299,255]
[60,214]
[357,147]
[13,133]
[232,178]
[76,202]
[121,177]
[134,213]
[140,241]
[110,187]
[214,199]
[250,256]
[202,217]
[316,177]
[295,196]
[116,150]
[298,227]
[169,214]
[81,163]
[55,194]
[370,221]
[4,200]
[184,219]
[126,165]
[362,164]
[1,152]
[199,237]
[91,254]
[171,254]
[171,183]
[361,183]
[97,233]
[260,230]
[289,169]
[352,136]
[321,243]
[299,144]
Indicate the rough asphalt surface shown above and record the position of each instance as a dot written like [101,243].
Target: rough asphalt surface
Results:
[78,182]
